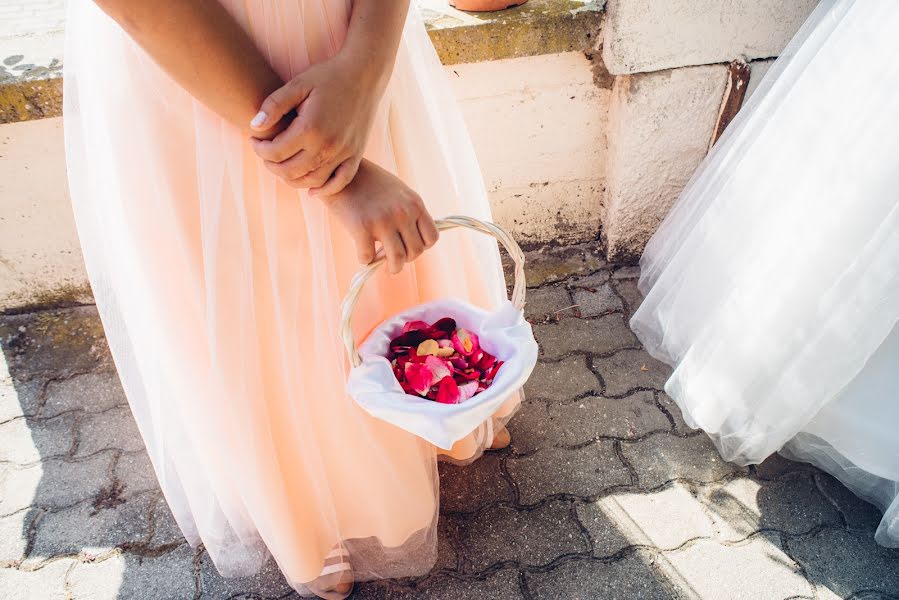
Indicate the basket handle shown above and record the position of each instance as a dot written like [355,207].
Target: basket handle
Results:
[352,296]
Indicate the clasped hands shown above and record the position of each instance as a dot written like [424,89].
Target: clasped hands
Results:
[321,149]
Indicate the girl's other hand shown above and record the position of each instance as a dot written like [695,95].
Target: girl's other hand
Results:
[377,207]
[335,102]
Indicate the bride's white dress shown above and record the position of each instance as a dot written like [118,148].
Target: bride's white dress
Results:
[773,285]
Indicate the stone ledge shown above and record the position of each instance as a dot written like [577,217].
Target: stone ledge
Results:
[538,27]
[31,67]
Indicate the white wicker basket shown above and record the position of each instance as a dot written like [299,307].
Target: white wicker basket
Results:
[502,332]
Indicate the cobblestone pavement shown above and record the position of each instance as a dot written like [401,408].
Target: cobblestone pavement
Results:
[605,492]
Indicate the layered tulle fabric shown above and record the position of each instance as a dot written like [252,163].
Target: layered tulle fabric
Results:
[219,289]
[773,285]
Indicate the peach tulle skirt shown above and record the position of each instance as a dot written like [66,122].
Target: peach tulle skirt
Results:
[219,288]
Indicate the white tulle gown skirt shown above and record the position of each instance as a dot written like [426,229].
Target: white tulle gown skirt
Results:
[773,285]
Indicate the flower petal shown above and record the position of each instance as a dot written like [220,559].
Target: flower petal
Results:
[459,362]
[439,368]
[467,390]
[465,342]
[418,377]
[414,325]
[410,339]
[446,325]
[448,391]
[427,347]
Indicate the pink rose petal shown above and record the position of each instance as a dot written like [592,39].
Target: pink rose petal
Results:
[465,342]
[467,390]
[418,377]
[439,369]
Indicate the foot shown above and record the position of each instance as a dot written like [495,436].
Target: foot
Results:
[501,439]
[337,576]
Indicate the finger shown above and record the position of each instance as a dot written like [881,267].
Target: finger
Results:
[291,169]
[412,240]
[339,180]
[285,145]
[365,247]
[394,250]
[316,178]
[279,103]
[428,230]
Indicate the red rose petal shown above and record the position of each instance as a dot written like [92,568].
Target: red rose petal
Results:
[446,325]
[413,325]
[459,362]
[448,391]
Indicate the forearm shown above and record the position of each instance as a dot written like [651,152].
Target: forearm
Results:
[373,37]
[202,48]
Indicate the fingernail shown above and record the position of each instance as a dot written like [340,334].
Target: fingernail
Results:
[259,119]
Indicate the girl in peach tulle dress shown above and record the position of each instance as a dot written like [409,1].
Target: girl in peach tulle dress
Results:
[231,164]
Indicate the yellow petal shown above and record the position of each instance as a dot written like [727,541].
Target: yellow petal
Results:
[428,347]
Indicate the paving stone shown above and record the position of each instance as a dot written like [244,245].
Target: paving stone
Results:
[46,583]
[858,514]
[563,380]
[594,417]
[14,534]
[846,562]
[135,473]
[632,272]
[27,441]
[91,528]
[114,428]
[447,557]
[598,336]
[606,532]
[551,264]
[165,528]
[664,519]
[269,582]
[663,457]
[540,424]
[531,427]
[91,392]
[671,407]
[54,342]
[166,577]
[548,302]
[630,369]
[528,537]
[469,488]
[19,398]
[502,585]
[593,280]
[593,302]
[582,472]
[625,579]
[54,483]
[791,504]
[758,568]
[629,292]
[776,465]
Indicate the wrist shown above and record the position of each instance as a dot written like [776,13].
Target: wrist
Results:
[370,69]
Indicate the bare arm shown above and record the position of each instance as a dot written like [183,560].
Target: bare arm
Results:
[337,101]
[200,46]
[374,34]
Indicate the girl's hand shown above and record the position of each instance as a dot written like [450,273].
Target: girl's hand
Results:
[376,206]
[335,102]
